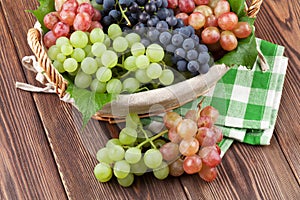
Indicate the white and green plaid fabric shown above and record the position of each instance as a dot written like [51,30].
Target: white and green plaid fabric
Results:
[248,100]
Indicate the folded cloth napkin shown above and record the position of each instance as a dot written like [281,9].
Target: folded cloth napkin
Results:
[248,100]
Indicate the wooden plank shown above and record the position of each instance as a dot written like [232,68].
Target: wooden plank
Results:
[27,167]
[73,157]
[279,26]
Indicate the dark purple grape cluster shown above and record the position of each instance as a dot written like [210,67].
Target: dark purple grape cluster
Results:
[136,14]
[156,23]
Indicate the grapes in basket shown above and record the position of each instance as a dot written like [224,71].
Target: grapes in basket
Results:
[127,46]
[185,145]
[109,47]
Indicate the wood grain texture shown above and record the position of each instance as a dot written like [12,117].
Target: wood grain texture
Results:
[27,172]
[26,161]
[279,22]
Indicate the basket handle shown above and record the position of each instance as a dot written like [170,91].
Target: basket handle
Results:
[254,8]
[52,75]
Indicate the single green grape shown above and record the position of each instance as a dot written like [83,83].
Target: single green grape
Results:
[107,41]
[141,76]
[114,86]
[154,71]
[109,58]
[137,49]
[89,65]
[155,53]
[153,158]
[131,85]
[132,38]
[103,172]
[127,181]
[53,51]
[88,51]
[67,49]
[103,156]
[112,142]
[97,35]
[142,62]
[120,44]
[98,86]
[61,57]
[162,171]
[114,31]
[121,169]
[129,63]
[133,155]
[70,65]
[116,152]
[166,77]
[132,120]
[104,74]
[98,48]
[139,168]
[127,135]
[61,41]
[79,39]
[78,54]
[83,80]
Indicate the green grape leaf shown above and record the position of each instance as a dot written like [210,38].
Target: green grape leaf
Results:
[46,6]
[88,102]
[246,53]
[238,6]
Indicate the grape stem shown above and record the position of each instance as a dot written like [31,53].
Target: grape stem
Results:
[123,14]
[151,139]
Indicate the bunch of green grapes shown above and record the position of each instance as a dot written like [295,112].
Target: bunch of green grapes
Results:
[115,62]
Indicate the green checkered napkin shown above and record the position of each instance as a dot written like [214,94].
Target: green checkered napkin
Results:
[248,100]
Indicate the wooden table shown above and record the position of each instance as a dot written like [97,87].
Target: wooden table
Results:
[42,155]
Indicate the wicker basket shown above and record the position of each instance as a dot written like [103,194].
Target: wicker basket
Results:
[144,103]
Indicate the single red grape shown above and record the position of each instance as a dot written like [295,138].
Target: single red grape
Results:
[196,20]
[210,35]
[189,147]
[208,173]
[186,6]
[61,29]
[49,39]
[242,30]
[192,164]
[228,41]
[51,19]
[211,20]
[86,7]
[70,5]
[67,17]
[82,21]
[222,6]
[228,21]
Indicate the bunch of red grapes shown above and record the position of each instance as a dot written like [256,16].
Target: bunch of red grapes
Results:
[72,16]
[194,137]
[215,24]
